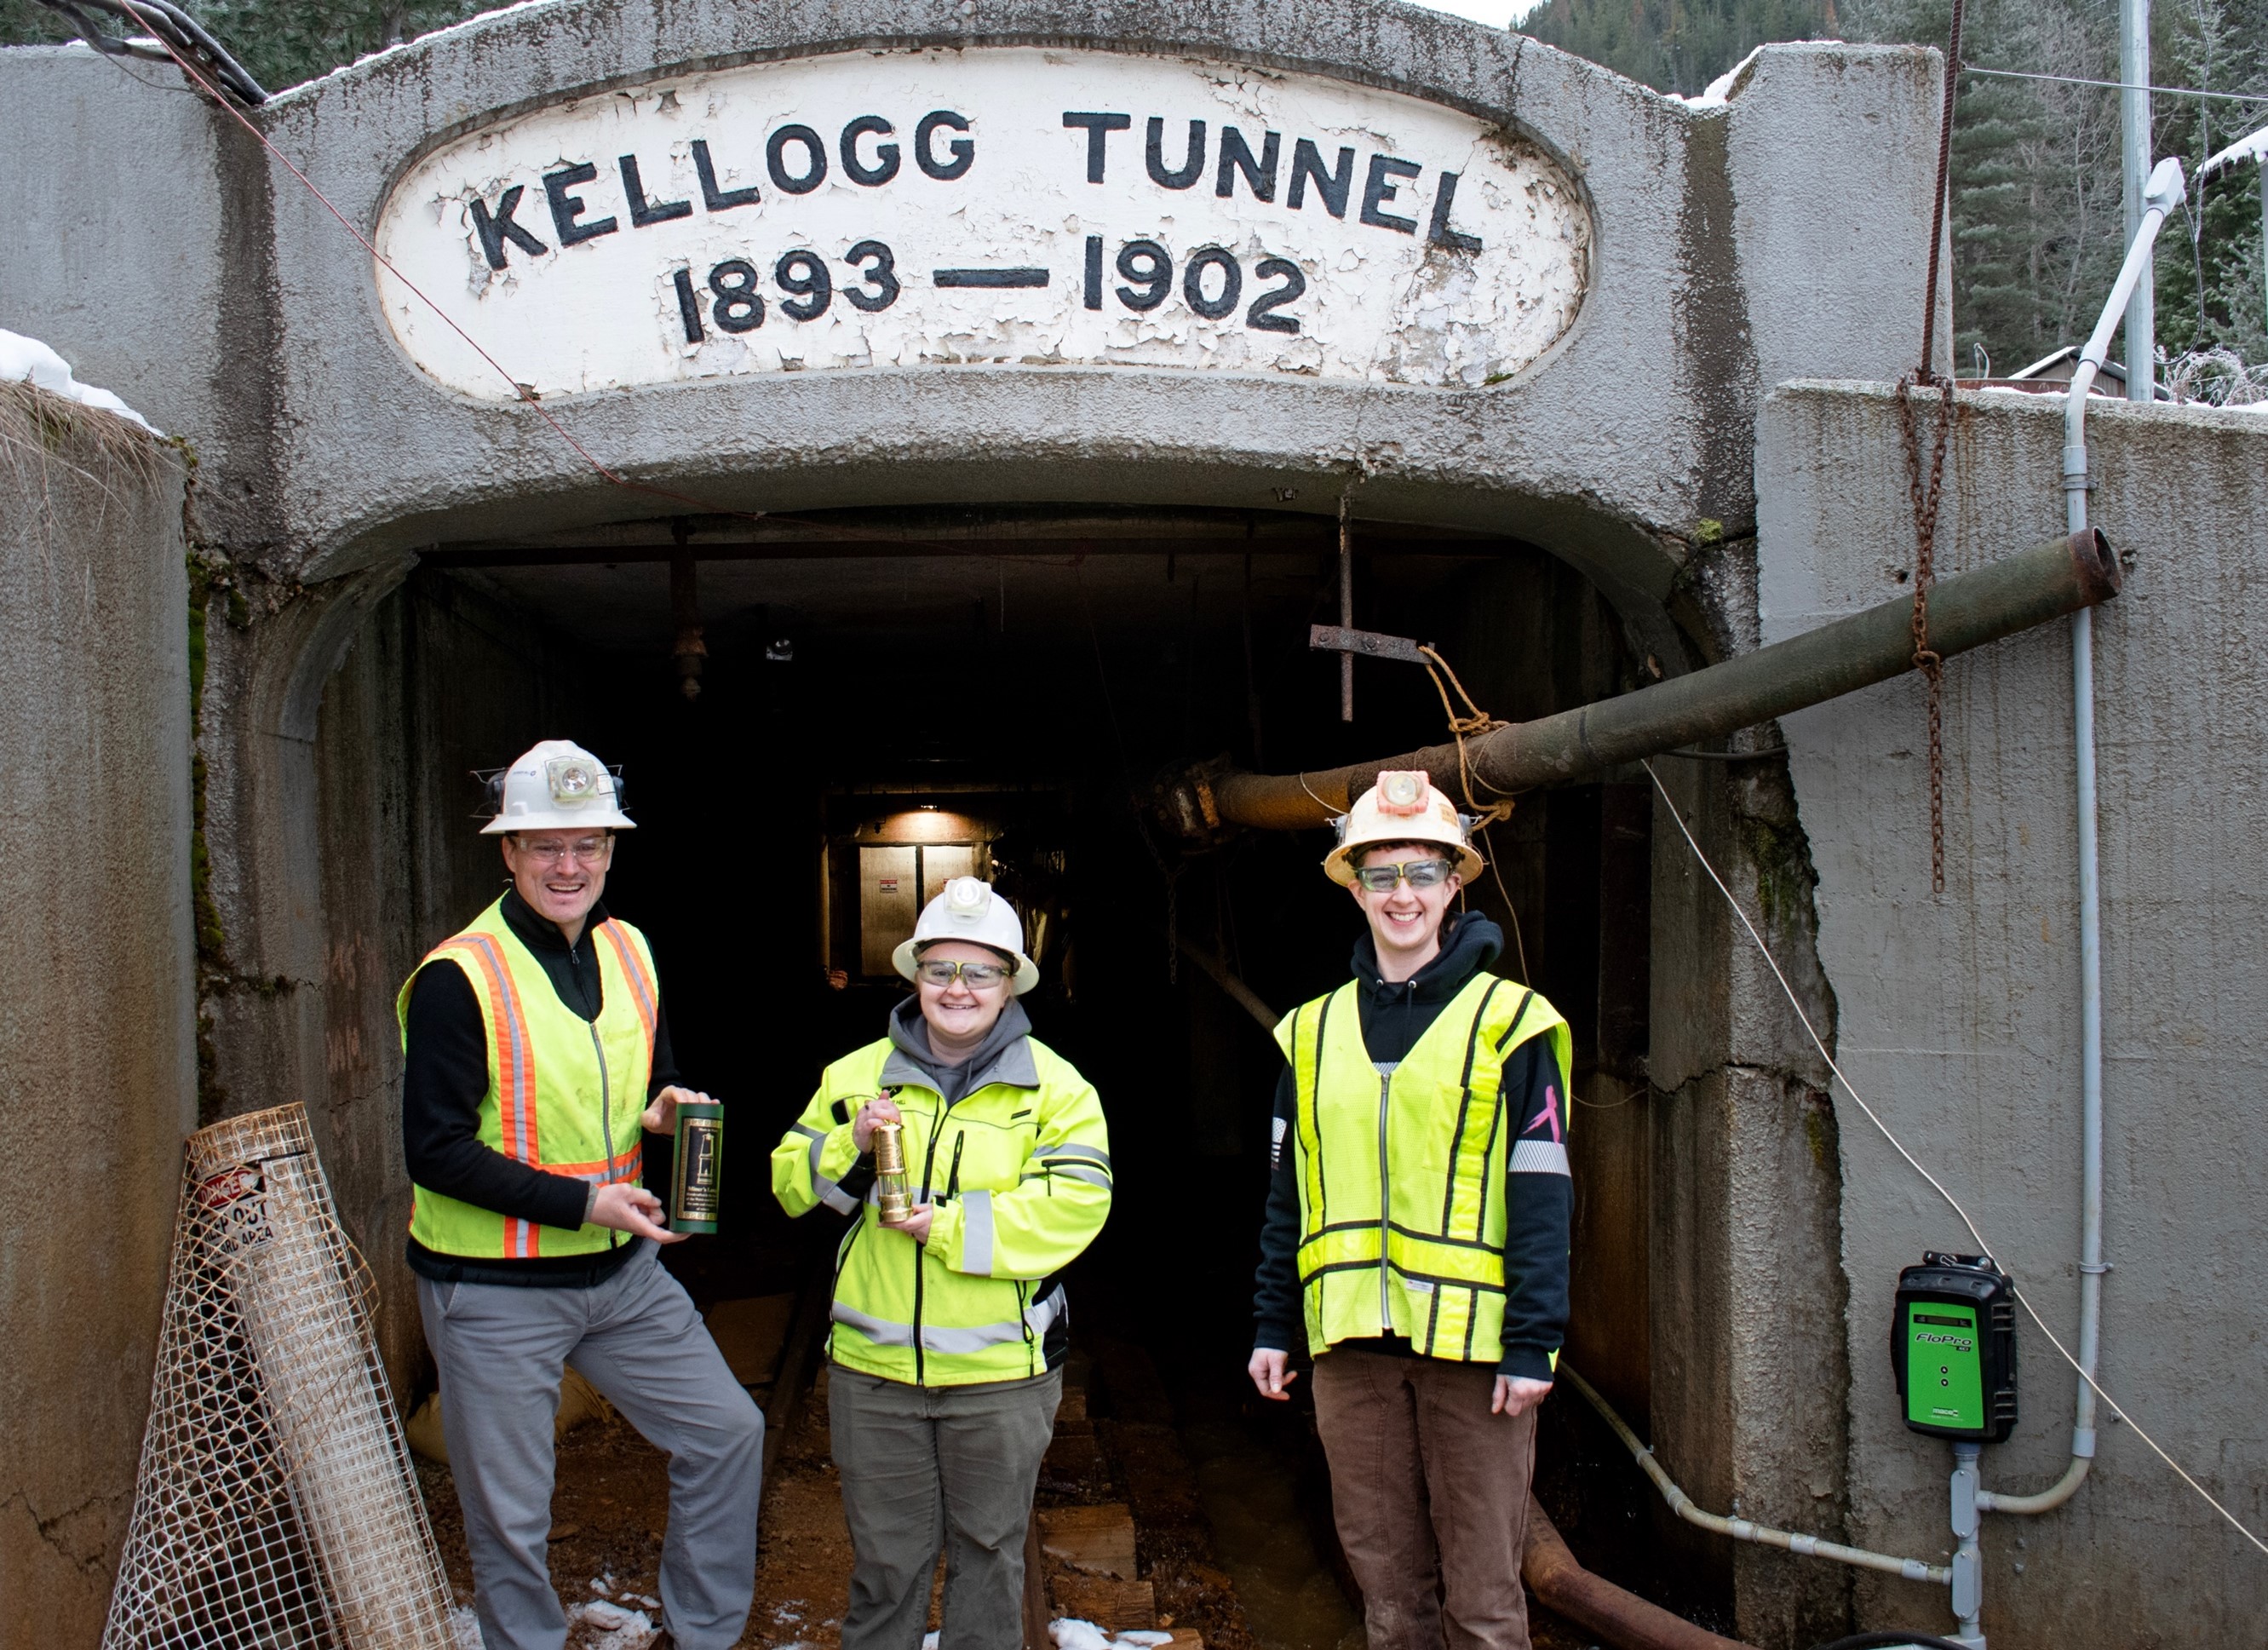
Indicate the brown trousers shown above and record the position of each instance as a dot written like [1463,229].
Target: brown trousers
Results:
[1431,1495]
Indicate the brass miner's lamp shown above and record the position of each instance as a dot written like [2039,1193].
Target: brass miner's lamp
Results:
[891,1191]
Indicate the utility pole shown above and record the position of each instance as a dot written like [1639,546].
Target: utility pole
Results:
[2134,151]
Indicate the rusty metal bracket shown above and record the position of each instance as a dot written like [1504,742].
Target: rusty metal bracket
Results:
[1337,638]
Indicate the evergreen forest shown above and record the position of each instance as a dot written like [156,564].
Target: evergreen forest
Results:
[2035,185]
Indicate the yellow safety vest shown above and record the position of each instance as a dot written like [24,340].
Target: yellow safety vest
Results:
[565,1094]
[1021,1181]
[1402,1168]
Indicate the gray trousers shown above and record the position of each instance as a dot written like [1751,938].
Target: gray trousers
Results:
[637,1339]
[925,1467]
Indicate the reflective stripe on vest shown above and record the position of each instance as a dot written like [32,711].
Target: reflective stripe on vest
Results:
[1400,1168]
[565,1094]
[883,1332]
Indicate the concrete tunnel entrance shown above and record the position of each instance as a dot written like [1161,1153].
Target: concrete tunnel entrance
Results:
[893,696]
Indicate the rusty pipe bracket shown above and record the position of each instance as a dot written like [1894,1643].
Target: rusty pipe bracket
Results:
[1183,801]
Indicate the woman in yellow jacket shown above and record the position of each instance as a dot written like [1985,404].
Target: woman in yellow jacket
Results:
[950,1331]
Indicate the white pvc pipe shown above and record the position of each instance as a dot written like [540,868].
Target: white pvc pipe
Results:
[1741,1528]
[2164,191]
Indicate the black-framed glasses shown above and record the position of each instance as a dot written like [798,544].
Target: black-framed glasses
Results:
[976,976]
[1418,873]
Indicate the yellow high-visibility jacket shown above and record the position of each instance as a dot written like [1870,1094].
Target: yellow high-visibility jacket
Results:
[1018,1174]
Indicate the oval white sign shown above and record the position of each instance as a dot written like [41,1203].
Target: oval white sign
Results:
[1006,205]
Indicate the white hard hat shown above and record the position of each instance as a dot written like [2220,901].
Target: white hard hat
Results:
[557,786]
[967,909]
[1402,807]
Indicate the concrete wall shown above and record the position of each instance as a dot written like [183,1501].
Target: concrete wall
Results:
[97,1053]
[1959,1014]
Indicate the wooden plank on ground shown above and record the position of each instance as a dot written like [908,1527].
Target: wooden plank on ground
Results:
[1071,1414]
[1113,1605]
[1091,1540]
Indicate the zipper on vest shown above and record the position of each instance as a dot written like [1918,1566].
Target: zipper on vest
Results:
[929,1162]
[953,1180]
[1385,1201]
[605,1115]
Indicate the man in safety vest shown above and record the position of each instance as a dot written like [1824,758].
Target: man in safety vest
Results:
[1417,1231]
[951,1328]
[536,1055]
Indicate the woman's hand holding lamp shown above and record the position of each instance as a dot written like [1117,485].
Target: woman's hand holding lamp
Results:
[881,1108]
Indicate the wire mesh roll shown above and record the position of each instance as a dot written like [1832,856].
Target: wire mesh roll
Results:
[276,1507]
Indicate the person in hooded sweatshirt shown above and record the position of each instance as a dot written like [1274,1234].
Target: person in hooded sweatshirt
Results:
[950,1330]
[1416,1232]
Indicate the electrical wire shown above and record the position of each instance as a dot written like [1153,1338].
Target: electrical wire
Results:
[2116,85]
[1936,1185]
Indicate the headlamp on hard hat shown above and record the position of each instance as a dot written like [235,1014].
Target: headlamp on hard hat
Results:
[1403,794]
[574,780]
[968,896]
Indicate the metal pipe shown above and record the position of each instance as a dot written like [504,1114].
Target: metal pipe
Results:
[1968,1556]
[2134,156]
[1620,1619]
[2166,190]
[1966,611]
[1741,1528]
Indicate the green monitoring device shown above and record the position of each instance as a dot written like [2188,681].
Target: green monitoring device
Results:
[1953,1346]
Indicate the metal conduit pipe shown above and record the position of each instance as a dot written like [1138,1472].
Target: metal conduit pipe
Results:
[2164,192]
[1741,1528]
[1967,611]
[1620,1619]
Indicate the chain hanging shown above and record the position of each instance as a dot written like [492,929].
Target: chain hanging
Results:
[1927,494]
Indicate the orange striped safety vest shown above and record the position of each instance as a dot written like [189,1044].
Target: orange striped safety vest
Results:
[564,1095]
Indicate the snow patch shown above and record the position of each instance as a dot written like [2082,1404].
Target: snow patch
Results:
[1720,91]
[23,358]
[619,1629]
[465,1628]
[1071,1633]
[2252,147]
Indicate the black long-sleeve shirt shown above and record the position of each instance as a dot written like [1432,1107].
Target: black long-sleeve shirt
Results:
[445,1079]
[1539,1208]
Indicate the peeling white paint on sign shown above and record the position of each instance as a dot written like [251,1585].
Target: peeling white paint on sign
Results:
[1009,205]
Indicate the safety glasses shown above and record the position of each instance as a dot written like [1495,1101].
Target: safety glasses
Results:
[977,976]
[586,850]
[1418,873]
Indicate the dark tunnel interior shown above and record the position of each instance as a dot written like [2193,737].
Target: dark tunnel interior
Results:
[891,697]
